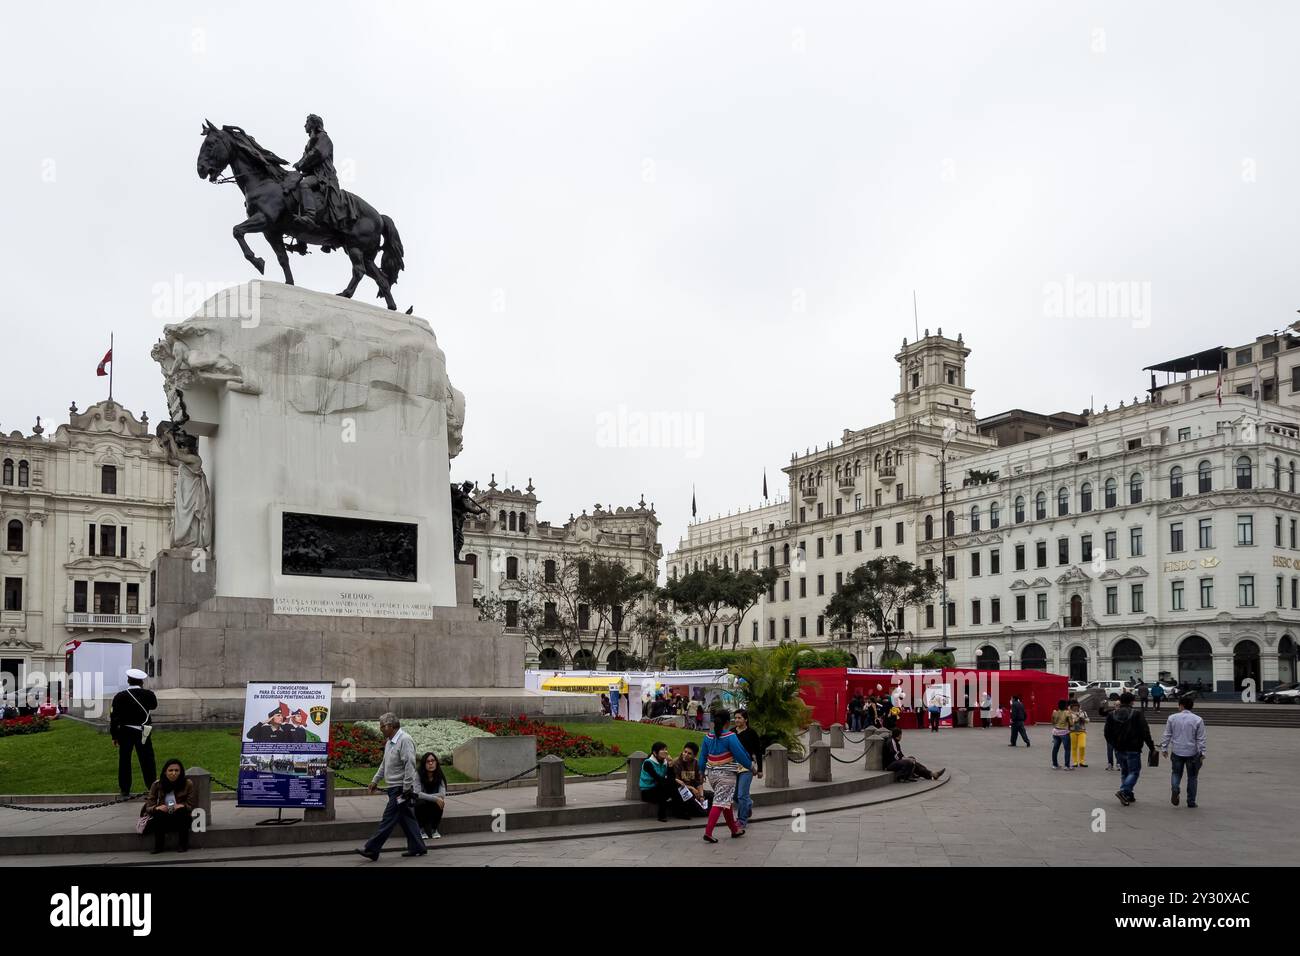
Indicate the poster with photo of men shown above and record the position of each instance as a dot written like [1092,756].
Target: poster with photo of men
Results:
[284,748]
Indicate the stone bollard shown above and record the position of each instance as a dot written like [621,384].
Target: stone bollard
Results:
[202,781]
[550,781]
[819,763]
[837,736]
[776,768]
[325,813]
[634,761]
[873,748]
[814,733]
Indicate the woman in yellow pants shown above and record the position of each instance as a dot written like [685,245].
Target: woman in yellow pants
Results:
[1078,735]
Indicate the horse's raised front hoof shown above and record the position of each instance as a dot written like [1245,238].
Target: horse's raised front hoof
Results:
[259,264]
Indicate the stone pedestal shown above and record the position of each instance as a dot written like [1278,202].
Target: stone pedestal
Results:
[495,758]
[819,762]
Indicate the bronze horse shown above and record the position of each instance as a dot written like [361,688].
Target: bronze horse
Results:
[261,178]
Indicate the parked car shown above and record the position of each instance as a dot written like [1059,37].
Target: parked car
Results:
[1283,694]
[1108,687]
[1077,687]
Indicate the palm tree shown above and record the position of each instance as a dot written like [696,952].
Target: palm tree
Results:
[771,694]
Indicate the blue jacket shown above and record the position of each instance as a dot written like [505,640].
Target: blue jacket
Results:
[652,773]
[724,750]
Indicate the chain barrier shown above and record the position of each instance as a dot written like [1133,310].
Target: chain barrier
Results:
[493,786]
[84,806]
[346,779]
[856,740]
[222,783]
[803,759]
[579,773]
[857,759]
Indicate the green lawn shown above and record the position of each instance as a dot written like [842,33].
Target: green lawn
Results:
[72,757]
[628,736]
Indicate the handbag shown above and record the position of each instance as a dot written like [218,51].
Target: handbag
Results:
[1153,758]
[141,821]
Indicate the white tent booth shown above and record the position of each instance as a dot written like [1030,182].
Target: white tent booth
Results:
[635,687]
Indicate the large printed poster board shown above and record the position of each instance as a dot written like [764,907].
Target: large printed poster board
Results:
[284,749]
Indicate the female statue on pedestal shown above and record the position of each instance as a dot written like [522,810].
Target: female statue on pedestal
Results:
[192,524]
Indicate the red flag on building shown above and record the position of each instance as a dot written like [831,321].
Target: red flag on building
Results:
[102,369]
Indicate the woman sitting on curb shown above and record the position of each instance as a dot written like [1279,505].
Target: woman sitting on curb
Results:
[169,806]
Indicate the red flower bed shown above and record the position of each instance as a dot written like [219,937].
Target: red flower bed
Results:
[352,745]
[550,739]
[23,725]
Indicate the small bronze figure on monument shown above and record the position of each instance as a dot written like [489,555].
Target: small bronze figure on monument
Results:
[462,506]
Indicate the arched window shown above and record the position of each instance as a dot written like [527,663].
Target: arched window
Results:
[785,554]
[1243,471]
[756,559]
[975,517]
[1277,473]
[801,482]
[1286,659]
[1108,492]
[512,568]
[14,536]
[584,660]
[837,474]
[1291,478]
[502,519]
[929,527]
[1246,664]
[771,557]
[1033,657]
[995,515]
[735,560]
[1135,488]
[986,658]
[1126,660]
[1175,482]
[1040,505]
[726,562]
[1203,481]
[1196,662]
[523,521]
[1079,664]
[1085,496]
[857,467]
[1020,508]
[616,661]
[24,474]
[512,521]
[8,475]
[108,480]
[889,459]
[951,521]
[877,463]
[1062,501]
[549,659]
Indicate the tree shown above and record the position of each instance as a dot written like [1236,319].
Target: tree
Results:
[771,694]
[613,592]
[744,590]
[706,594]
[873,595]
[650,626]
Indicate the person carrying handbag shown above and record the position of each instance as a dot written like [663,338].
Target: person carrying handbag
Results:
[130,724]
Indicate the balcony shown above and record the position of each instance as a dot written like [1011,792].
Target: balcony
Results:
[82,619]
[846,482]
[886,473]
[1072,621]
[809,494]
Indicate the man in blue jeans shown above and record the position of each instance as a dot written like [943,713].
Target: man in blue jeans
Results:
[1127,731]
[1185,735]
[749,739]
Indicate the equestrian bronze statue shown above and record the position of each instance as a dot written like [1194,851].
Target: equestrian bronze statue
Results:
[304,203]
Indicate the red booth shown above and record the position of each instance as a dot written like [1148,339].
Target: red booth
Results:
[828,690]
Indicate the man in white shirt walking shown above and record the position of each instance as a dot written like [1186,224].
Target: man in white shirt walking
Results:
[397,770]
[1185,736]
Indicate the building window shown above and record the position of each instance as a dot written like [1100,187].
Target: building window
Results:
[995,515]
[821,626]
[1020,509]
[1245,529]
[1041,600]
[771,630]
[952,614]
[1175,482]
[1185,434]
[1085,548]
[1112,600]
[1246,590]
[785,590]
[857,540]
[1020,607]
[1244,356]
[950,567]
[1135,488]
[1040,505]
[839,544]
[839,581]
[857,504]
[1205,532]
[898,492]
[995,562]
[1277,531]
[975,564]
[898,532]
[1203,482]
[785,628]
[1293,532]
[472,561]
[1176,536]
[1108,490]
[1062,550]
[1243,471]
[821,548]
[24,474]
[584,621]
[1062,501]
[1176,596]
[548,571]
[785,554]
[975,612]
[584,572]
[839,506]
[995,610]
[1280,590]
[820,508]
[107,540]
[1020,557]
[803,627]
[1085,496]
[14,536]
[550,619]
[512,568]
[975,517]
[950,524]
[803,515]
[1111,540]
[878,531]
[803,587]
[1207,592]
[8,476]
[13,594]
[1135,542]
[821,584]
[1135,598]
[1040,554]
[929,615]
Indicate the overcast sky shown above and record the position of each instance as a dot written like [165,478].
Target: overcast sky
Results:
[711,215]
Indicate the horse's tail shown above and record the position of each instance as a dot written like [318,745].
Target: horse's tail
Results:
[390,263]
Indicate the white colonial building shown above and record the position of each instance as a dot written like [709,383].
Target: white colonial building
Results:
[509,543]
[1157,538]
[83,514]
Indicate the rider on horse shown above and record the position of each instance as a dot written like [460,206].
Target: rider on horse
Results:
[317,173]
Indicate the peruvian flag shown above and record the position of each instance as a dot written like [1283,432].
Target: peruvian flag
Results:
[102,368]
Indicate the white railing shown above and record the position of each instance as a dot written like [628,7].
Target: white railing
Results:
[82,619]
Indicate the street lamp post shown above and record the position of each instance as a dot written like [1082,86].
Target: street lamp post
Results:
[949,433]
